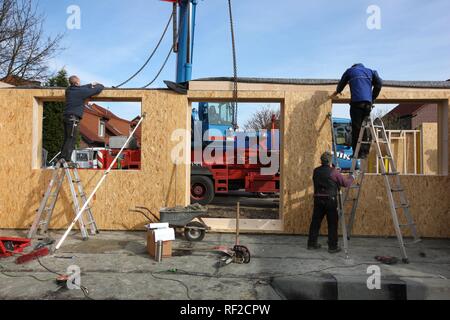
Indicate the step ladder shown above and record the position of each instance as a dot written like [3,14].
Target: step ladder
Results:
[48,203]
[373,131]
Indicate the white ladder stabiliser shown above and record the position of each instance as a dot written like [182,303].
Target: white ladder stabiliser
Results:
[373,131]
[102,179]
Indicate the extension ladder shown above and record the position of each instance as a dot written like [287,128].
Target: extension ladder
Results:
[395,192]
[48,203]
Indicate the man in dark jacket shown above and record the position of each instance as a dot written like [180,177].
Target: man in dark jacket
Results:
[73,112]
[327,181]
[361,80]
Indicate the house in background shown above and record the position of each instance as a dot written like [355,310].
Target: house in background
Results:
[99,124]
[16,81]
[410,116]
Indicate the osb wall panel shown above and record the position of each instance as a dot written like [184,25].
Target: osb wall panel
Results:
[307,134]
[154,186]
[428,196]
[430,147]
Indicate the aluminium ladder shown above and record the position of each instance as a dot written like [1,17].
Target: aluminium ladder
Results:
[395,192]
[48,203]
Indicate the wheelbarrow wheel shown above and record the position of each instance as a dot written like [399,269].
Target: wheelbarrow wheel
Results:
[194,234]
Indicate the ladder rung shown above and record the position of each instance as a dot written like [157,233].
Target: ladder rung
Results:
[385,157]
[353,199]
[397,190]
[76,181]
[365,142]
[403,205]
[406,225]
[391,174]
[412,242]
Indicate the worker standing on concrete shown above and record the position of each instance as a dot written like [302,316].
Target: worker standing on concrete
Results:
[73,112]
[361,80]
[327,181]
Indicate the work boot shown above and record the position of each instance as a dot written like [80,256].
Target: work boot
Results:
[314,246]
[334,250]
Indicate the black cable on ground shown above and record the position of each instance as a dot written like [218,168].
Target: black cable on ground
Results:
[175,280]
[150,57]
[206,275]
[23,276]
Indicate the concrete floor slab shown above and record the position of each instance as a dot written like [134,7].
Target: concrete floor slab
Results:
[115,265]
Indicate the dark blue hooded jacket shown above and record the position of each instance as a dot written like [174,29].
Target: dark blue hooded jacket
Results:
[75,97]
[361,80]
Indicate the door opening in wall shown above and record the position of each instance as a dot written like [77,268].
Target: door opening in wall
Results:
[242,165]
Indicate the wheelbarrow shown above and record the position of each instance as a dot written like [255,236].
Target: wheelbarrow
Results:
[180,218]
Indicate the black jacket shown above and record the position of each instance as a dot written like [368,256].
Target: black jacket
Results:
[75,97]
[324,185]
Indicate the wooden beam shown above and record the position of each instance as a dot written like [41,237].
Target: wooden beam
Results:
[36,139]
[246,225]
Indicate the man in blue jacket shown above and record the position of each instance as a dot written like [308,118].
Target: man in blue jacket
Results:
[76,95]
[361,81]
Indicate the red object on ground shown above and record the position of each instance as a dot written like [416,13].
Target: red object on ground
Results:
[33,255]
[11,246]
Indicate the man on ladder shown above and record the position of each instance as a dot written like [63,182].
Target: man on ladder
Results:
[365,132]
[76,95]
[361,81]
[73,113]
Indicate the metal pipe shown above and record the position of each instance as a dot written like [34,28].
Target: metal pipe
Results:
[183,41]
[72,224]
[238,213]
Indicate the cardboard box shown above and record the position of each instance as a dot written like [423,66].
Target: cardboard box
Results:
[151,245]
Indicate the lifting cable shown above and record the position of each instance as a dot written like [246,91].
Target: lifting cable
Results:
[160,70]
[235,79]
[151,55]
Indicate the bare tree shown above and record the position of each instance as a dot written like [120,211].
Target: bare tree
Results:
[262,119]
[24,49]
[391,120]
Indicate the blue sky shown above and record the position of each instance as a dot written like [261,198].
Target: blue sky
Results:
[286,39]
